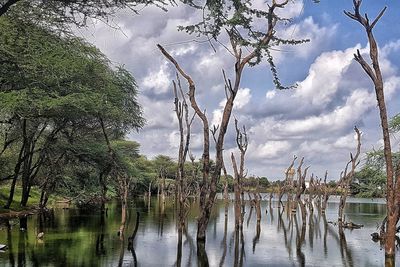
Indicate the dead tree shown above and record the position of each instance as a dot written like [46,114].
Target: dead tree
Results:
[257,203]
[326,191]
[318,189]
[184,124]
[123,180]
[242,143]
[288,186]
[206,136]
[226,193]
[194,184]
[263,41]
[301,185]
[375,74]
[347,177]
[311,192]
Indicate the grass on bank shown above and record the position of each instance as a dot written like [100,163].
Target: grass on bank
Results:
[33,201]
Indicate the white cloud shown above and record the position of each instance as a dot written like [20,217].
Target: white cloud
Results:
[390,86]
[318,117]
[270,149]
[318,36]
[356,105]
[159,81]
[324,76]
[348,141]
[270,94]
[242,98]
[292,9]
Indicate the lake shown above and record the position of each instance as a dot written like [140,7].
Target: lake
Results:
[85,238]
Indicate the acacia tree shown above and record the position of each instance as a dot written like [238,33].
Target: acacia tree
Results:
[392,172]
[74,11]
[163,165]
[47,84]
[124,155]
[235,19]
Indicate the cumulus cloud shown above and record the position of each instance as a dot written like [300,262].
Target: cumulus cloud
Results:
[270,149]
[243,97]
[315,120]
[270,94]
[324,76]
[159,81]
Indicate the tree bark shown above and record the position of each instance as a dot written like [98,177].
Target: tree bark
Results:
[347,177]
[15,177]
[374,72]
[6,6]
[206,203]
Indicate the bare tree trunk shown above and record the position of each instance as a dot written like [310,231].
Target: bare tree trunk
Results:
[15,177]
[311,191]
[103,187]
[242,143]
[124,203]
[182,113]
[374,72]
[226,193]
[347,177]
[257,202]
[301,186]
[163,188]
[326,190]
[238,212]
[210,187]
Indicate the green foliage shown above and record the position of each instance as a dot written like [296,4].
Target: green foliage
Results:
[44,75]
[54,91]
[126,154]
[165,166]
[371,182]
[61,14]
[241,21]
[394,123]
[33,200]
[376,159]
[371,179]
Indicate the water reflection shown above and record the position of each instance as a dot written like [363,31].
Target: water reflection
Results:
[281,238]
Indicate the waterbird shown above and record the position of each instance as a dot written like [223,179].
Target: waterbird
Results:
[40,235]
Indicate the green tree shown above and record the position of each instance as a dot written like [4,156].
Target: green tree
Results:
[371,182]
[73,11]
[49,85]
[165,168]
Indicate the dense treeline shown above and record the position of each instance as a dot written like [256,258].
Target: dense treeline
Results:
[59,98]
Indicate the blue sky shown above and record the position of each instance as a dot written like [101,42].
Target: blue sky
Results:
[314,121]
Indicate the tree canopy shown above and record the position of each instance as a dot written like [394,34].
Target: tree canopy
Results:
[59,91]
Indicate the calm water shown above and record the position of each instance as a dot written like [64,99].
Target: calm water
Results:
[74,238]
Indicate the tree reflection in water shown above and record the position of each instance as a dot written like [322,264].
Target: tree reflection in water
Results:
[73,238]
[223,242]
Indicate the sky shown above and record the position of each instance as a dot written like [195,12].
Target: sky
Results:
[314,120]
